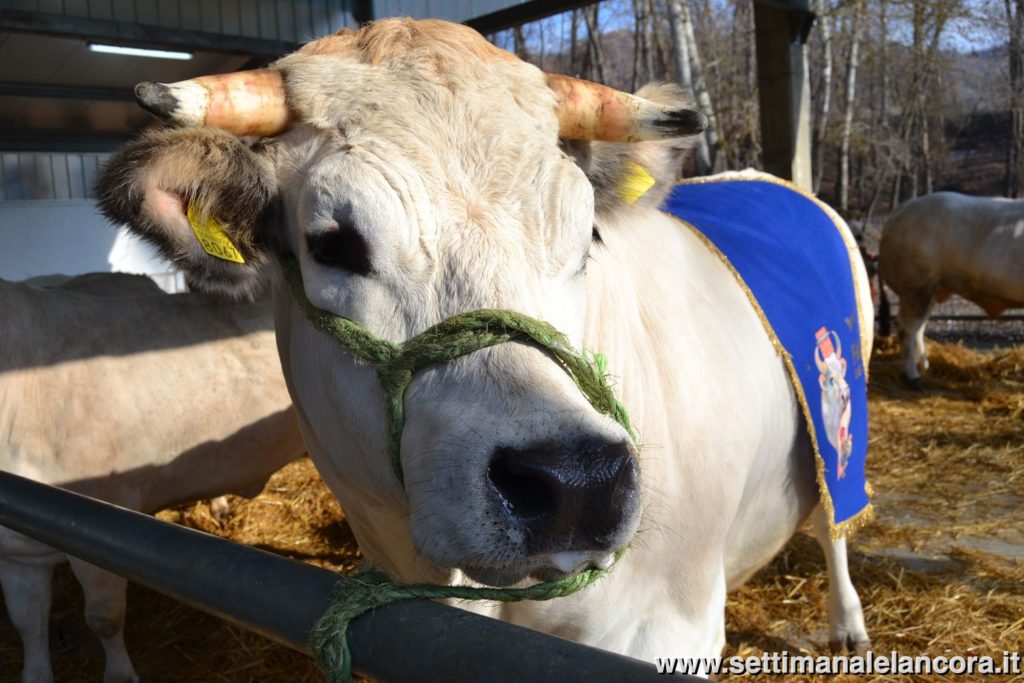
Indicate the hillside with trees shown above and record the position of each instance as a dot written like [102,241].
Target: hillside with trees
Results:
[908,96]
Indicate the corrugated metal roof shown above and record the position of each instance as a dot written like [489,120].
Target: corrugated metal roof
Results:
[56,94]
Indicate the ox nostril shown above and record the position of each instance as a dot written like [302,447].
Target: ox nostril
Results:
[525,489]
[568,496]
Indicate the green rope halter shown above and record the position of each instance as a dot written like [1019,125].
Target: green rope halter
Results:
[396,363]
[444,342]
[368,590]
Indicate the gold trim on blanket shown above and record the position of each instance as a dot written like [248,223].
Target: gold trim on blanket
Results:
[846,528]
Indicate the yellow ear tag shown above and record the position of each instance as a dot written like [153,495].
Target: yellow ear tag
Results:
[212,237]
[636,183]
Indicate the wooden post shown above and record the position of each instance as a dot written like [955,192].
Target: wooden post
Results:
[780,29]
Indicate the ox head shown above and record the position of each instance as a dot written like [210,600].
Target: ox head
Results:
[414,172]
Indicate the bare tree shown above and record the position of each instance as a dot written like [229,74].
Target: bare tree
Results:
[891,92]
[856,10]
[660,53]
[574,32]
[701,89]
[919,122]
[684,73]
[647,53]
[744,27]
[739,107]
[543,45]
[825,90]
[641,52]
[519,41]
[594,59]
[1015,156]
[883,58]
[937,14]
[748,79]
[914,96]
[688,56]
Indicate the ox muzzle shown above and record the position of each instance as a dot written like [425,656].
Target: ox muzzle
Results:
[449,339]
[571,502]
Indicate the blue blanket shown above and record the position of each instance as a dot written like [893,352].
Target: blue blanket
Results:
[789,253]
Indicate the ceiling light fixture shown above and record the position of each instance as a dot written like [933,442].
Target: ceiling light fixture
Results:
[138,52]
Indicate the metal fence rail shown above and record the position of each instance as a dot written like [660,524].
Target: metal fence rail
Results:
[282,599]
[954,317]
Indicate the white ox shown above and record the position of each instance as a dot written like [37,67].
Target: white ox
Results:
[111,388]
[948,243]
[415,172]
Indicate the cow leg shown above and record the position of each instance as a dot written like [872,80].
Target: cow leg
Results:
[27,593]
[913,316]
[919,350]
[105,597]
[716,615]
[846,630]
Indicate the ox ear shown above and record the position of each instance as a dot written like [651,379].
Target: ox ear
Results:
[203,198]
[639,173]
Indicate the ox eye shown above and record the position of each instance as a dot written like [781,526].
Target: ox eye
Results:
[595,238]
[341,247]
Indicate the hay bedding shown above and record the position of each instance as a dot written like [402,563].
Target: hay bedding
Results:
[940,572]
[295,516]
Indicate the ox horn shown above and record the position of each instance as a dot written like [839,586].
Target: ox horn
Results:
[591,111]
[242,103]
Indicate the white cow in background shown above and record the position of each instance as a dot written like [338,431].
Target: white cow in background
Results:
[413,171]
[124,283]
[113,389]
[948,243]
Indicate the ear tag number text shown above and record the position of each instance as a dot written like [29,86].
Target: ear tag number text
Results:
[212,237]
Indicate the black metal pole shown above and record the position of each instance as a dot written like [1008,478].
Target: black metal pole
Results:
[282,599]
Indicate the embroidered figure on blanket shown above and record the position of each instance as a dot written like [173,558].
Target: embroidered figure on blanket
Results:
[835,396]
